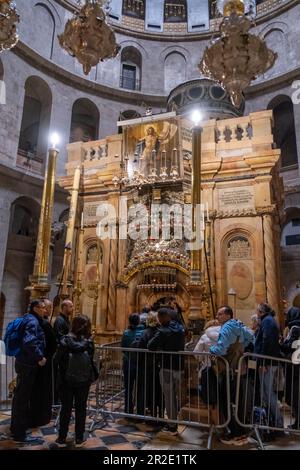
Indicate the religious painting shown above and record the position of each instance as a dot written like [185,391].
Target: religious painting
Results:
[152,147]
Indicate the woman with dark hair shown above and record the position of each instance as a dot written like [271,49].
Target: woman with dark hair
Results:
[76,372]
[131,334]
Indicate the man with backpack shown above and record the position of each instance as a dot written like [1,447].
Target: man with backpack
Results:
[29,357]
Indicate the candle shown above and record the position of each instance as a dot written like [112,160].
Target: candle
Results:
[207,212]
[174,163]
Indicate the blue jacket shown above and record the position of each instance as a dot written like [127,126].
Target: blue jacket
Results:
[230,331]
[33,341]
[129,336]
[267,340]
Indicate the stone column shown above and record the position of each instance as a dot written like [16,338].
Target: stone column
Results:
[196,285]
[297,126]
[5,205]
[270,262]
[113,266]
[69,245]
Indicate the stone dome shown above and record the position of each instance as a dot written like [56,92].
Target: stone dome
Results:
[206,94]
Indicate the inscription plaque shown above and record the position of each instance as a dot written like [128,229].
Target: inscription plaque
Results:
[236,198]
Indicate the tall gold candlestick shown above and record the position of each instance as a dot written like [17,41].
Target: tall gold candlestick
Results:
[196,198]
[39,285]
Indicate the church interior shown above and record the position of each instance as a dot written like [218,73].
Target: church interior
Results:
[175,122]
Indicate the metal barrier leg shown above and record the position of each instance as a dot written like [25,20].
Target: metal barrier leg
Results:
[257,435]
[101,418]
[210,437]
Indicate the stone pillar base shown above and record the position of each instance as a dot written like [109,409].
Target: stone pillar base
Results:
[196,317]
[39,288]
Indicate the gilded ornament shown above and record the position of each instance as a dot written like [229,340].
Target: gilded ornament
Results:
[236,57]
[8,25]
[88,37]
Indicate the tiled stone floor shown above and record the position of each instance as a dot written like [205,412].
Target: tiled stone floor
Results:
[120,435]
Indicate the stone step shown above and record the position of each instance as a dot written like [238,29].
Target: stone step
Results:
[195,410]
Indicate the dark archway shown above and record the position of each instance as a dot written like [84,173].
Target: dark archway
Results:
[85,121]
[2,312]
[34,133]
[284,129]
[25,213]
[1,70]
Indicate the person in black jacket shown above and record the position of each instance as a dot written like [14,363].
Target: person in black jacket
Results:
[169,337]
[292,379]
[130,335]
[267,344]
[149,392]
[74,384]
[77,344]
[61,328]
[41,399]
[28,361]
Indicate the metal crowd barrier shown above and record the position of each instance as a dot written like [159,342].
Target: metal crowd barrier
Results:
[162,388]
[267,396]
[7,383]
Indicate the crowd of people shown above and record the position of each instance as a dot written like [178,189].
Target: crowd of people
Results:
[225,337]
[54,364]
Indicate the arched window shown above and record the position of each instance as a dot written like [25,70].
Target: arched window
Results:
[34,134]
[131,68]
[85,121]
[25,214]
[275,39]
[213,10]
[175,70]
[44,27]
[291,233]
[175,11]
[134,8]
[284,129]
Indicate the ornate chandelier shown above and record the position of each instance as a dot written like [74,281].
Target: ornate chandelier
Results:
[8,25]
[236,57]
[88,37]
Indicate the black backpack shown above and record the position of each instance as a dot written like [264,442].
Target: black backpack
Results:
[80,369]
